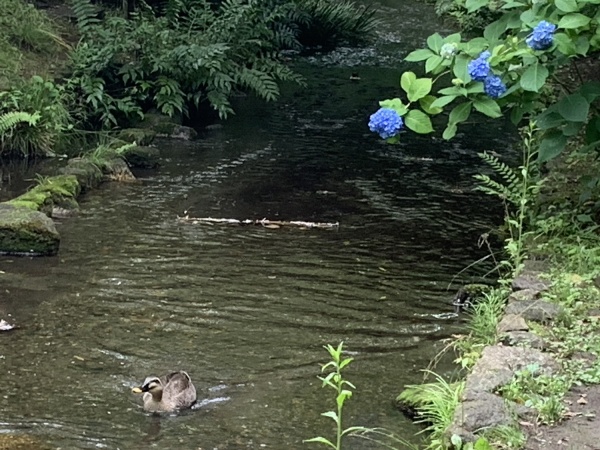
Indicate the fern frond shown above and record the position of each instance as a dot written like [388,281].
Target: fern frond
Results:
[86,15]
[9,120]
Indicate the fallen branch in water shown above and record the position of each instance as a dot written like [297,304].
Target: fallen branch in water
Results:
[262,222]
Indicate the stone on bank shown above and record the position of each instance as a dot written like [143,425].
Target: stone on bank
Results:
[24,231]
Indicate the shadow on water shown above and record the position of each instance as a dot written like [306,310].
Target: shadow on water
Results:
[246,311]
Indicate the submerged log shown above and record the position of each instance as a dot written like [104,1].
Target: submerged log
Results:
[262,222]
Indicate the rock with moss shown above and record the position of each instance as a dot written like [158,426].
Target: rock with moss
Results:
[141,157]
[24,231]
[165,126]
[87,173]
[60,189]
[141,136]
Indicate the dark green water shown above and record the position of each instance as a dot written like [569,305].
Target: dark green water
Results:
[246,311]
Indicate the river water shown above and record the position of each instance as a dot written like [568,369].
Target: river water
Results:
[247,310]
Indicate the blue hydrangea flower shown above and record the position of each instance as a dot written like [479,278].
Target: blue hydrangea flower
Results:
[480,68]
[386,122]
[493,86]
[448,50]
[542,36]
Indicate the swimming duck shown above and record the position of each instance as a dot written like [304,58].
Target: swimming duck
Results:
[168,393]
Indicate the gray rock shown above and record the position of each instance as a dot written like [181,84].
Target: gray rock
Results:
[524,338]
[537,310]
[484,411]
[512,322]
[24,231]
[524,294]
[498,364]
[529,281]
[142,157]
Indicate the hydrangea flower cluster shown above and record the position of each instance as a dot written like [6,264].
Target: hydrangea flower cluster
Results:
[542,36]
[448,50]
[386,122]
[493,86]
[480,68]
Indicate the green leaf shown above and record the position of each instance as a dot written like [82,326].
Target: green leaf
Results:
[460,113]
[592,130]
[582,45]
[419,89]
[406,80]
[548,120]
[456,441]
[321,440]
[573,20]
[565,44]
[534,77]
[435,42]
[419,55]
[418,121]
[425,104]
[474,5]
[494,30]
[590,90]
[488,107]
[551,146]
[450,131]
[395,104]
[452,38]
[482,444]
[574,107]
[433,63]
[460,68]
[332,415]
[453,90]
[572,128]
[442,101]
[567,5]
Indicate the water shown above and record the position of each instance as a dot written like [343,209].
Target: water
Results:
[246,310]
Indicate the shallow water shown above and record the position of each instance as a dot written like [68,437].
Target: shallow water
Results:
[246,310]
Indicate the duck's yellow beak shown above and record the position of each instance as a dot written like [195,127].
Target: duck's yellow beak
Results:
[136,390]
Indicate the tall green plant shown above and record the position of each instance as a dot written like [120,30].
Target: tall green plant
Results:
[518,190]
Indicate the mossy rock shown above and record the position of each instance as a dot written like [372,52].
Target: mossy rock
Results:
[161,123]
[51,191]
[87,173]
[141,136]
[142,157]
[24,231]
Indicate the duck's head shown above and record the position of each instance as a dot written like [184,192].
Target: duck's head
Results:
[152,385]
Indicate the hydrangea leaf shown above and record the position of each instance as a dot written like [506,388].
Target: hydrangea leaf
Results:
[488,107]
[529,18]
[474,5]
[590,90]
[495,29]
[573,20]
[572,128]
[435,42]
[433,63]
[592,130]
[565,44]
[419,55]
[460,68]
[567,5]
[426,105]
[418,121]
[574,107]
[452,38]
[419,88]
[551,146]
[453,90]
[534,77]
[582,45]
[442,101]
[460,113]
[395,104]
[406,80]
[549,119]
[450,131]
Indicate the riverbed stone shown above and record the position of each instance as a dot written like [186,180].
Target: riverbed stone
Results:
[512,322]
[485,410]
[530,281]
[24,231]
[523,338]
[10,441]
[141,136]
[117,170]
[142,157]
[499,363]
[88,174]
[537,310]
[524,294]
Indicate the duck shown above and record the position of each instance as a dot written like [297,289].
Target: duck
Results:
[169,393]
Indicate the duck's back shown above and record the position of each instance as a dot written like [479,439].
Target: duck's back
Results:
[179,391]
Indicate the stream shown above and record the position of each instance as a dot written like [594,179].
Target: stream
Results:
[246,310]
